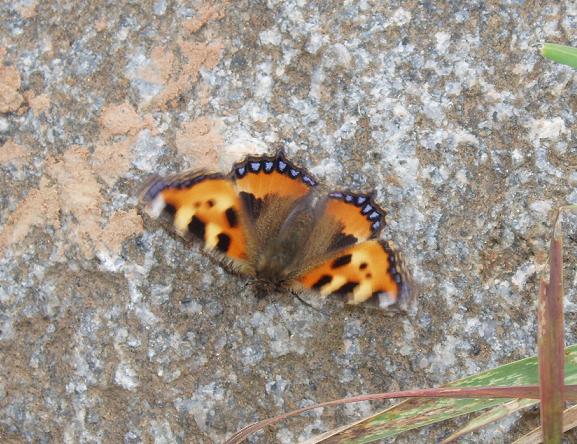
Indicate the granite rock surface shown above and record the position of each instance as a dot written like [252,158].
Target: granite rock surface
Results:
[113,330]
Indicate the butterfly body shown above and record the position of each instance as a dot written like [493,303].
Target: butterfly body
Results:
[268,220]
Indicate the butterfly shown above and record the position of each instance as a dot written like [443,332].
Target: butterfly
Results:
[268,220]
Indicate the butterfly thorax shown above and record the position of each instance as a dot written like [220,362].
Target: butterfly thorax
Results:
[281,251]
[278,256]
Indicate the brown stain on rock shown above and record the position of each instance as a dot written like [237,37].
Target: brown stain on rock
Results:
[10,97]
[159,68]
[40,208]
[199,141]
[177,66]
[121,226]
[112,157]
[185,73]
[71,189]
[12,153]
[111,160]
[205,14]
[121,119]
[39,104]
[79,195]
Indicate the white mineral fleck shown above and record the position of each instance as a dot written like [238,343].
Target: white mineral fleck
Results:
[546,129]
[125,376]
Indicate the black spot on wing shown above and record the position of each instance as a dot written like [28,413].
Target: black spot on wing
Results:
[342,240]
[223,242]
[231,217]
[197,227]
[341,261]
[346,288]
[170,209]
[252,205]
[324,280]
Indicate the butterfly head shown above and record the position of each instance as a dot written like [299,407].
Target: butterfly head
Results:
[264,287]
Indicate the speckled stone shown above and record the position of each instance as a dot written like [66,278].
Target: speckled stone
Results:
[113,330]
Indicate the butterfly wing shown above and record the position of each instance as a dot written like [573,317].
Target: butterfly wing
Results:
[368,272]
[262,176]
[263,181]
[358,214]
[203,206]
[354,263]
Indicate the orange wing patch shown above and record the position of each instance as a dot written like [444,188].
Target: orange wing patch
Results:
[370,271]
[205,206]
[263,176]
[360,216]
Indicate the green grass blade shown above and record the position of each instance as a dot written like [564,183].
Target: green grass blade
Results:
[560,53]
[415,413]
[495,414]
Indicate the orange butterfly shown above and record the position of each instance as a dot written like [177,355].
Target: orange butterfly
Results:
[267,220]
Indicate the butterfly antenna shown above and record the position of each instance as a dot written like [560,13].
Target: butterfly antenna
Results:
[281,317]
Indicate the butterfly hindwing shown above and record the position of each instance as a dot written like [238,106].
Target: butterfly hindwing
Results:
[201,205]
[368,272]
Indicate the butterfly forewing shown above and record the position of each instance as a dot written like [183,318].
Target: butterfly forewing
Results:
[358,214]
[263,180]
[275,197]
[202,206]
[263,176]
